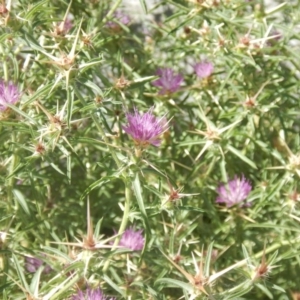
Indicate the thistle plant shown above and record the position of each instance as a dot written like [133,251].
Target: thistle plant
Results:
[174,125]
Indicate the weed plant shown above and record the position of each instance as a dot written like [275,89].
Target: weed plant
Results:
[149,157]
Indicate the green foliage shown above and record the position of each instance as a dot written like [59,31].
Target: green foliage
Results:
[63,143]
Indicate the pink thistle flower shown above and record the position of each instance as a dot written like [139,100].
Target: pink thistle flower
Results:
[132,239]
[168,81]
[234,192]
[204,69]
[145,128]
[9,94]
[91,294]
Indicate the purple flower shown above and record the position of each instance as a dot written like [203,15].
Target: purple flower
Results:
[120,17]
[145,129]
[91,294]
[9,94]
[32,265]
[204,69]
[132,239]
[168,81]
[234,192]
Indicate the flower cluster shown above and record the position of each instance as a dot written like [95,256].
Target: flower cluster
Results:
[234,192]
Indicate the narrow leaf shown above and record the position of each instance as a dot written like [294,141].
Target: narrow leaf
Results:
[240,155]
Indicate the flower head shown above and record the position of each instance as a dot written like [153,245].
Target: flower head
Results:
[204,69]
[168,81]
[32,265]
[234,192]
[145,128]
[91,294]
[132,239]
[9,94]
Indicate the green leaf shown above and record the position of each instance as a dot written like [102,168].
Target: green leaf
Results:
[98,183]
[174,283]
[138,194]
[240,155]
[58,253]
[22,201]
[21,113]
[116,287]
[55,167]
[237,291]
[17,169]
[70,99]
[20,273]
[144,6]
[61,287]
[208,259]
[141,82]
[40,93]
[265,290]
[85,66]
[189,208]
[278,288]
[35,9]
[94,87]
[275,227]
[35,282]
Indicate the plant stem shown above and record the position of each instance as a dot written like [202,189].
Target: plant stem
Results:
[4,63]
[11,170]
[112,150]
[128,196]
